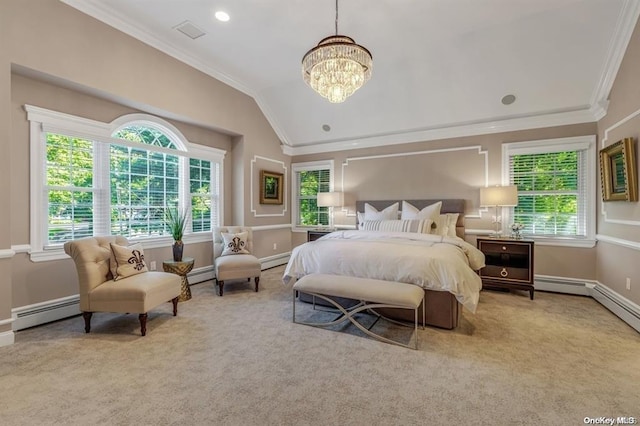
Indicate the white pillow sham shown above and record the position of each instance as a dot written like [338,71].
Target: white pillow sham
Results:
[234,243]
[445,225]
[422,226]
[431,212]
[371,213]
[129,260]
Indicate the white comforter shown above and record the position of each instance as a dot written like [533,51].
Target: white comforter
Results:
[430,261]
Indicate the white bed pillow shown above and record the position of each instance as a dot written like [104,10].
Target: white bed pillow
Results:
[422,226]
[371,213]
[431,212]
[445,225]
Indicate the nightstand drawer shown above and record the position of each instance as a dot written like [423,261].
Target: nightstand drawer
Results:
[506,273]
[503,247]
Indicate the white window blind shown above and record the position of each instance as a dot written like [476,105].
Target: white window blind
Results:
[555,188]
[204,193]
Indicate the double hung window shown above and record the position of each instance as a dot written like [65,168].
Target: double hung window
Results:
[556,190]
[308,180]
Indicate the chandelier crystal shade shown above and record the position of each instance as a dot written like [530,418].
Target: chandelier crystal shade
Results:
[337,66]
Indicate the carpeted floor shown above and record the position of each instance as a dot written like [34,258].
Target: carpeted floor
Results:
[239,360]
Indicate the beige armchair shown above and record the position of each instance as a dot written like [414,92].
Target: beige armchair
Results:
[234,260]
[100,293]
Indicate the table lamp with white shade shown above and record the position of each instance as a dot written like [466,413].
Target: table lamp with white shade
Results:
[498,196]
[331,200]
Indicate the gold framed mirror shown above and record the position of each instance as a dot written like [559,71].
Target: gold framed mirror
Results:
[618,171]
[271,187]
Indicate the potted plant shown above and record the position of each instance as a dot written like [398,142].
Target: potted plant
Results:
[176,221]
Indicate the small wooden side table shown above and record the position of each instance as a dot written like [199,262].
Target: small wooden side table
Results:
[509,264]
[181,268]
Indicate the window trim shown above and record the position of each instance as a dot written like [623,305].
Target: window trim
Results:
[301,167]
[587,143]
[43,121]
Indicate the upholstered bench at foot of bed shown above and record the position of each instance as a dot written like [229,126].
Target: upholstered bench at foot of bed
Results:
[372,294]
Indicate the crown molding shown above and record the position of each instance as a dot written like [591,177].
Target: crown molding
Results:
[585,115]
[627,20]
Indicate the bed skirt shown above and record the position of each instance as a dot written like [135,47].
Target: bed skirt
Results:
[442,309]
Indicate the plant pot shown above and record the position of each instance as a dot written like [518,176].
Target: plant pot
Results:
[178,247]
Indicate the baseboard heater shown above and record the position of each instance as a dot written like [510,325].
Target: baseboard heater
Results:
[41,313]
[623,308]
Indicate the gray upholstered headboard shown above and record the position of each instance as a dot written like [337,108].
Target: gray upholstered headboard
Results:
[454,205]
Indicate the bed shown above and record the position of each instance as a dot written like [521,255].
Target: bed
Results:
[443,265]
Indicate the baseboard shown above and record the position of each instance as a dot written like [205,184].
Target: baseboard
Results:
[7,338]
[275,260]
[561,285]
[40,313]
[622,307]
[199,275]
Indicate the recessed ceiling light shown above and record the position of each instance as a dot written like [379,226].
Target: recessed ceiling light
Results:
[222,16]
[326,127]
[508,99]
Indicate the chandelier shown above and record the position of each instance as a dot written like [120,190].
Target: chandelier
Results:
[337,66]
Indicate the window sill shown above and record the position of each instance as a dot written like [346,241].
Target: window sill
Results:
[564,242]
[57,253]
[309,228]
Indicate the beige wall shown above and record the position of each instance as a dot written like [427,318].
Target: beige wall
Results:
[66,61]
[618,256]
[449,168]
[5,179]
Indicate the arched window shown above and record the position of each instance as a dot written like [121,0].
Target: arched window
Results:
[143,182]
[118,179]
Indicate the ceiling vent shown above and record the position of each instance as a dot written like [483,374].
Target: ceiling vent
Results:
[190,30]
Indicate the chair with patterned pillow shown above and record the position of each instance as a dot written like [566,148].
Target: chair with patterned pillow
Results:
[113,277]
[232,258]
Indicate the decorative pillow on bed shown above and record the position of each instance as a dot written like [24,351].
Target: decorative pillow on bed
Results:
[445,225]
[234,243]
[371,213]
[422,226]
[129,260]
[431,212]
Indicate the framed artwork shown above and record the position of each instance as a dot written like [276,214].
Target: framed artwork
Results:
[271,187]
[618,171]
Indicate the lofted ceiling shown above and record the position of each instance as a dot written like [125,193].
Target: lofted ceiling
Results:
[440,67]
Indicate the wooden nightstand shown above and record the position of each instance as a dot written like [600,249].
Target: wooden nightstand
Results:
[509,264]
[314,234]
